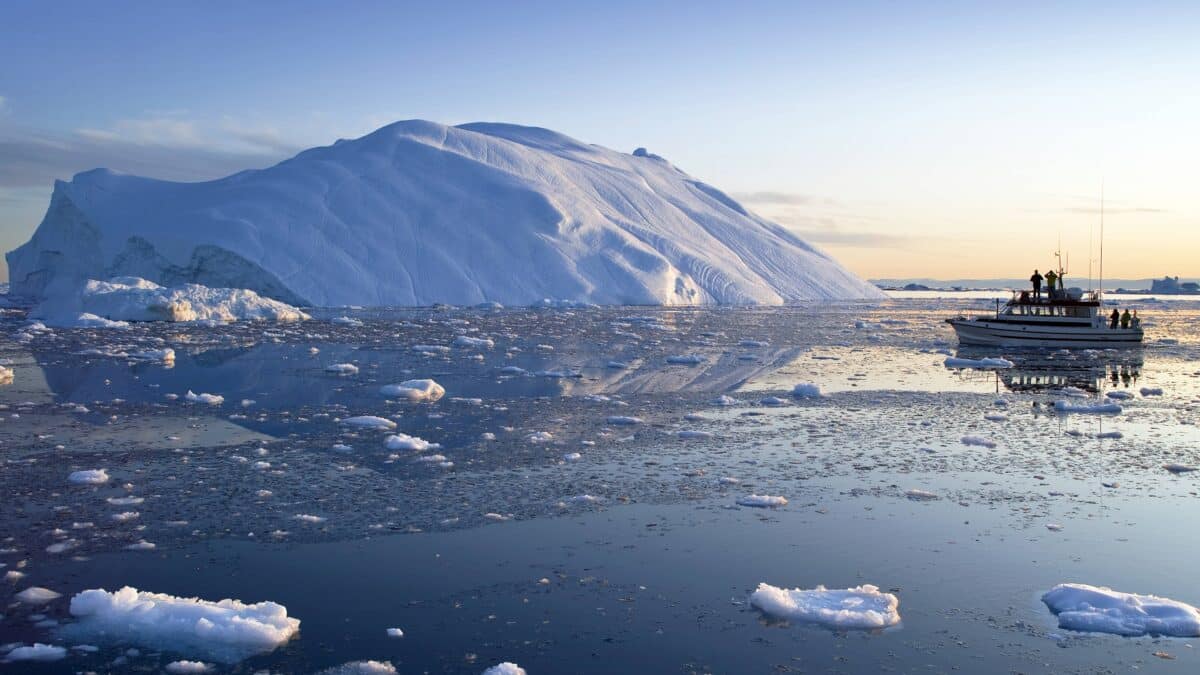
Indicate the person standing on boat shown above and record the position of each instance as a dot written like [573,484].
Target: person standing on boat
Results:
[1125,318]
[1037,286]
[1051,277]
[1114,318]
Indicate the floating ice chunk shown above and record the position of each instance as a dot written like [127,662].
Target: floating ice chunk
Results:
[36,652]
[920,495]
[863,607]
[692,434]
[996,417]
[1054,527]
[506,668]
[86,320]
[772,401]
[166,355]
[135,299]
[1102,610]
[978,441]
[210,399]
[1110,434]
[185,667]
[369,422]
[406,442]
[622,420]
[512,370]
[395,633]
[346,321]
[617,365]
[725,401]
[361,668]
[1152,391]
[125,501]
[686,359]
[141,545]
[496,517]
[954,362]
[806,390]
[430,349]
[1065,406]
[473,342]
[762,501]
[415,390]
[753,343]
[572,457]
[1073,392]
[307,518]
[540,437]
[1120,395]
[342,369]
[89,477]
[1179,468]
[228,630]
[36,595]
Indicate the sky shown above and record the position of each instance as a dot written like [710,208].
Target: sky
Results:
[932,139]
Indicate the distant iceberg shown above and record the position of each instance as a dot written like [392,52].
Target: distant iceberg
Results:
[419,213]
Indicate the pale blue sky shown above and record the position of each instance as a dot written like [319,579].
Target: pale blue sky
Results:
[910,139]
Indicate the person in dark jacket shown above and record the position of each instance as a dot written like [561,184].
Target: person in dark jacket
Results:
[1113,319]
[1037,286]
[1125,318]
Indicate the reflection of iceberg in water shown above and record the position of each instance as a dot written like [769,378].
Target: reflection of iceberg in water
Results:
[1088,370]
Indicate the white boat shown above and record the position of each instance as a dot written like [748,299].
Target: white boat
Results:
[1069,318]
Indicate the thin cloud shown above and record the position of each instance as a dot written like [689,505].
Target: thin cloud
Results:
[779,198]
[1111,209]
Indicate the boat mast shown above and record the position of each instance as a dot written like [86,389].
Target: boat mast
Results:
[1100,289]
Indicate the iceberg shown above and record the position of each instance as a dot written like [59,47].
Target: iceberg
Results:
[1102,610]
[418,213]
[863,607]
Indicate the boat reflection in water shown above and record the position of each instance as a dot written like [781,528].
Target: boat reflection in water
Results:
[1092,371]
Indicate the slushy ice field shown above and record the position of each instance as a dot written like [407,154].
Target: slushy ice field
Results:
[578,500]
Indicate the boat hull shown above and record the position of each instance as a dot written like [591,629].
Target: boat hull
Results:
[985,333]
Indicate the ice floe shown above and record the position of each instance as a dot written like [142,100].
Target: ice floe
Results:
[406,442]
[806,390]
[36,595]
[955,362]
[762,501]
[1098,609]
[342,368]
[36,652]
[227,630]
[210,399]
[89,477]
[862,607]
[187,667]
[979,441]
[1065,406]
[361,668]
[506,668]
[415,390]
[369,422]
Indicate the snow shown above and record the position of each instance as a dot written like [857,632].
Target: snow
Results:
[369,422]
[762,501]
[210,399]
[415,390]
[36,652]
[506,668]
[954,362]
[640,230]
[92,303]
[88,477]
[228,630]
[1065,406]
[1102,610]
[342,369]
[806,390]
[863,607]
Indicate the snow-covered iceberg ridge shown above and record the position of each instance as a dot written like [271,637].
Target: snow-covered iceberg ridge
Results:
[111,303]
[418,213]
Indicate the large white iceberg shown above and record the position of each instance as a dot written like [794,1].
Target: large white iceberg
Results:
[863,607]
[109,303]
[419,213]
[1102,610]
[228,630]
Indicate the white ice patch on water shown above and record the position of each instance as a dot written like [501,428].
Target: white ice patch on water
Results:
[1065,406]
[863,607]
[187,667]
[361,668]
[473,342]
[686,359]
[762,501]
[406,442]
[36,595]
[134,299]
[89,477]
[1102,610]
[36,652]
[342,368]
[621,420]
[414,390]
[369,422]
[988,363]
[979,441]
[506,668]
[210,399]
[227,631]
